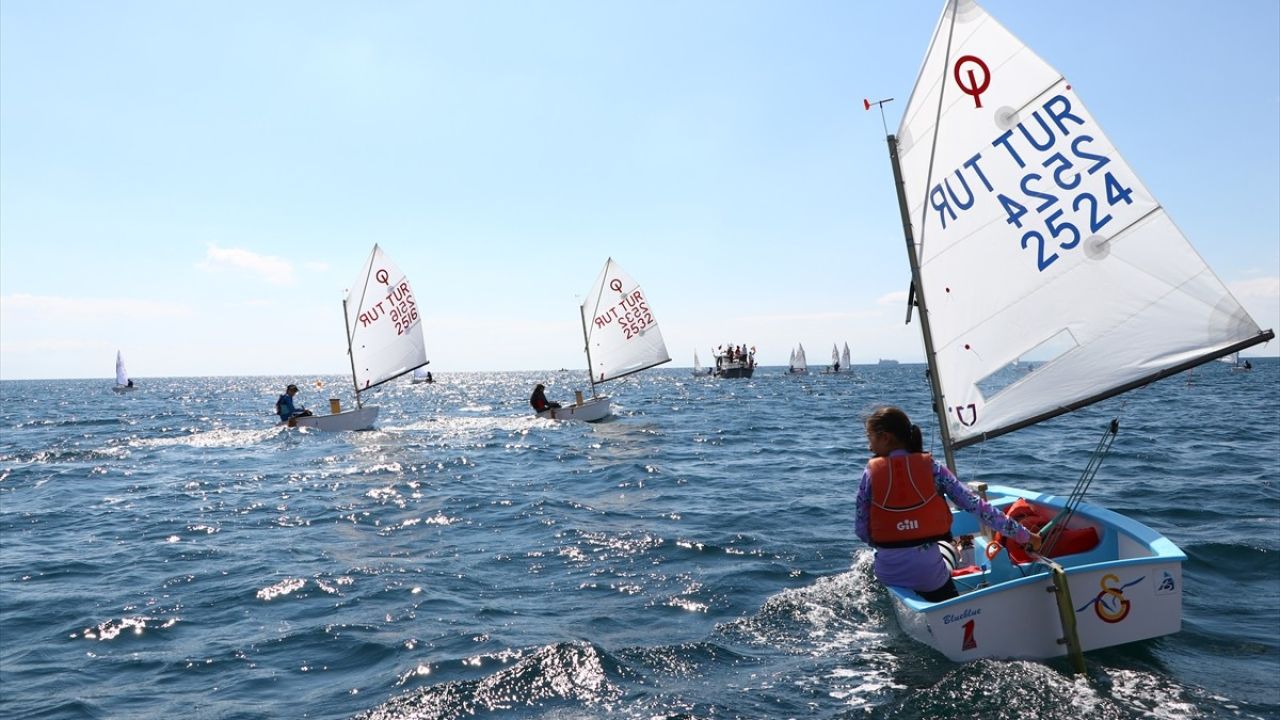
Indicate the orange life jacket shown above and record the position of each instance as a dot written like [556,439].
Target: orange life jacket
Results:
[906,508]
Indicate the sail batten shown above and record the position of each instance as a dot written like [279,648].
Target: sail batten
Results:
[1020,206]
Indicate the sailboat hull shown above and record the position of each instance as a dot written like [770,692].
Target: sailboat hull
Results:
[123,388]
[1126,588]
[358,419]
[592,410]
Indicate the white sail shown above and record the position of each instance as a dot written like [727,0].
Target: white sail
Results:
[844,357]
[798,364]
[621,331]
[1037,241]
[791,362]
[122,376]
[384,323]
[697,364]
[835,357]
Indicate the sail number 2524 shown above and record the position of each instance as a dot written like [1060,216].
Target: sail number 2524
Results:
[1055,192]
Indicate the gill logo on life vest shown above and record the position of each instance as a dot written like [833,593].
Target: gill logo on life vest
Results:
[973,414]
[1110,604]
[908,525]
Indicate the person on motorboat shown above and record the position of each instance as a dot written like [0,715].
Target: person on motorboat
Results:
[901,510]
[285,407]
[539,399]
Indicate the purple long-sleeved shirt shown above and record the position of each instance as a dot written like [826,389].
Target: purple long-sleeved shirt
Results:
[922,567]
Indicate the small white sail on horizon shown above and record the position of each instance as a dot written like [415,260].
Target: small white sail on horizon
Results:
[697,365]
[844,357]
[798,362]
[122,376]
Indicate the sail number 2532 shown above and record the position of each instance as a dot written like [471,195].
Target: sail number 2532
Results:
[1052,194]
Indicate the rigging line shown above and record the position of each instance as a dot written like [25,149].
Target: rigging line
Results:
[1081,487]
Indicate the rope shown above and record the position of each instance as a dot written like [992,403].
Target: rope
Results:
[1081,487]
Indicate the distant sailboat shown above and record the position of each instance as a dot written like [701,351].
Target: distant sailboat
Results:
[622,337]
[1236,364]
[697,365]
[844,357]
[123,383]
[421,375]
[384,339]
[834,367]
[798,363]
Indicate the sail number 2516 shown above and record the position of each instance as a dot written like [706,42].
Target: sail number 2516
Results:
[1052,194]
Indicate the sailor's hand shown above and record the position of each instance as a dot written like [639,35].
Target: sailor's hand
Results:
[1034,543]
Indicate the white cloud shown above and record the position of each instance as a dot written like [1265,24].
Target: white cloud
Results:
[318,266]
[898,298]
[1260,289]
[274,270]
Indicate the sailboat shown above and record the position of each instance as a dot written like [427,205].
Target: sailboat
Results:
[1237,365]
[621,335]
[798,363]
[1019,211]
[420,375]
[844,357]
[834,367]
[384,340]
[123,383]
[697,365]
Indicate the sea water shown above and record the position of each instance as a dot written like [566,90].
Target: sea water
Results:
[171,552]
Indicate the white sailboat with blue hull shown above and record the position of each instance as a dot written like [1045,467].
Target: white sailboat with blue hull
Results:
[384,340]
[1038,240]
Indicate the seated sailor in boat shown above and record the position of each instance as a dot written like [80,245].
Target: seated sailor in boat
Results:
[539,399]
[902,513]
[285,407]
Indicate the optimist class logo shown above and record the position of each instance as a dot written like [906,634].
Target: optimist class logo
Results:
[967,64]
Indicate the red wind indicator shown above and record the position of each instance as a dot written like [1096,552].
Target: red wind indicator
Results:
[866,104]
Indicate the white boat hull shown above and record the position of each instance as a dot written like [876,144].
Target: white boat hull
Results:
[123,388]
[591,410]
[1125,589]
[358,419]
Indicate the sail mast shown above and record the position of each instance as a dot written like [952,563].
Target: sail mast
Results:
[350,355]
[586,345]
[939,406]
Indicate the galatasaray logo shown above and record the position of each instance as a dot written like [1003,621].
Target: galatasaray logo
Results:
[1110,604]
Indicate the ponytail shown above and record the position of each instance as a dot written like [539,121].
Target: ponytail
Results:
[915,440]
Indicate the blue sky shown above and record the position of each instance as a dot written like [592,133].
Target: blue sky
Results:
[196,184]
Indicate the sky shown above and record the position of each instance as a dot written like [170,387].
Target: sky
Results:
[196,184]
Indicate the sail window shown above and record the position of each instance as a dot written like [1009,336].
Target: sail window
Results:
[1047,351]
